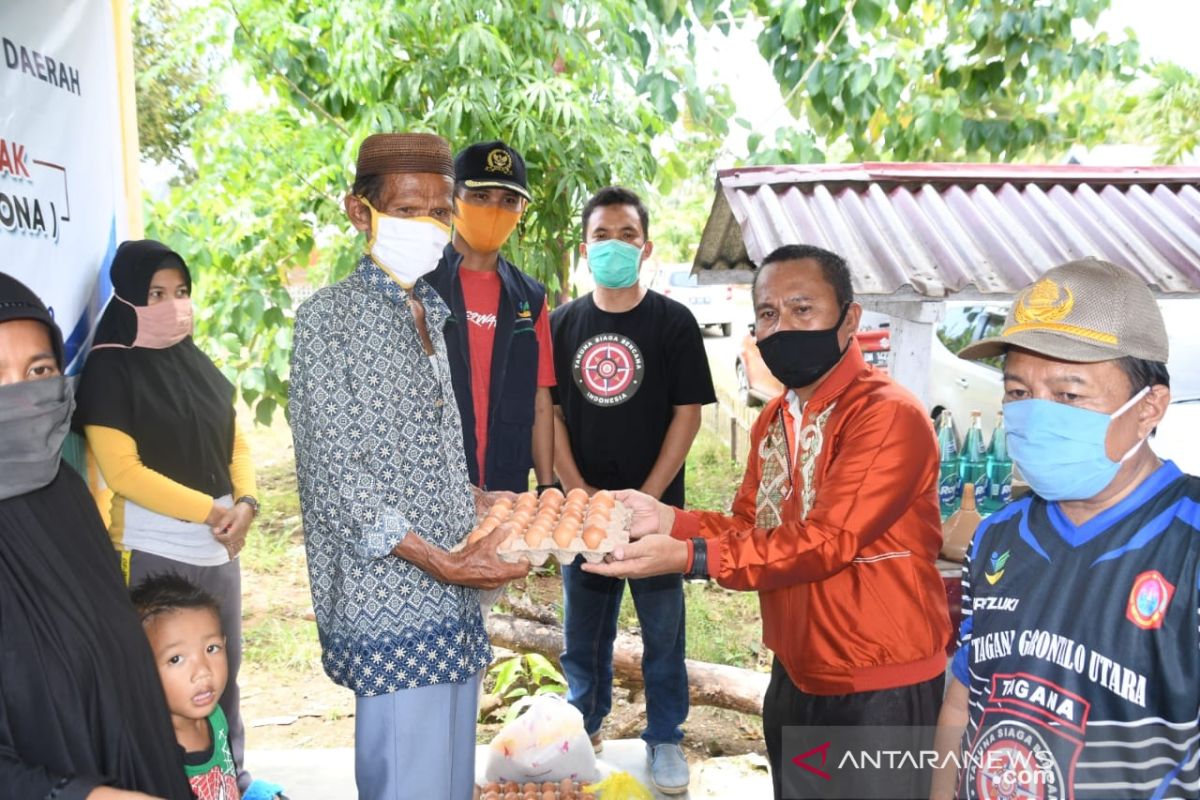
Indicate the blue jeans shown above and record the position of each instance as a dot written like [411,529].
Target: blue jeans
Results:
[591,606]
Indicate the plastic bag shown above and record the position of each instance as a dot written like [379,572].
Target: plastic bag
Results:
[546,743]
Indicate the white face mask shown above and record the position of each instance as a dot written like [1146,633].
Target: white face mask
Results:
[406,247]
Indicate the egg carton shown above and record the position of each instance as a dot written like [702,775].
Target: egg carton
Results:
[565,789]
[616,533]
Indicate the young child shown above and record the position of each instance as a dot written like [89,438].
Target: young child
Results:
[183,624]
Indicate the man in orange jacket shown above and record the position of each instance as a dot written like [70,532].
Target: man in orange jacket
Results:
[836,525]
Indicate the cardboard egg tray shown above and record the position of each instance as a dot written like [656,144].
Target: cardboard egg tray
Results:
[565,789]
[551,507]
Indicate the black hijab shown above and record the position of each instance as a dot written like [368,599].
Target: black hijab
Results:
[17,301]
[174,402]
[80,696]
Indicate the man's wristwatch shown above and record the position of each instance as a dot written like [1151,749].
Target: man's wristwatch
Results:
[541,487]
[250,501]
[699,570]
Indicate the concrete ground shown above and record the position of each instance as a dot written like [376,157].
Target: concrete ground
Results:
[313,774]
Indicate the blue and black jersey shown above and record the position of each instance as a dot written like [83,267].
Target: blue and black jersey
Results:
[1080,646]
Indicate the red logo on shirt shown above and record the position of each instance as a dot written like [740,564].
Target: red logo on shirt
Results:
[214,785]
[1148,600]
[608,369]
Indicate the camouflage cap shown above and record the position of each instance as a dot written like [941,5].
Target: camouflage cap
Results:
[1086,310]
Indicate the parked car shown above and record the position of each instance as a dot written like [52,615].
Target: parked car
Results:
[966,386]
[711,304]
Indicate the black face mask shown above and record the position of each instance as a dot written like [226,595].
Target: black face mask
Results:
[799,358]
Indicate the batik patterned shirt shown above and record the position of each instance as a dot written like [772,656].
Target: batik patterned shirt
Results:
[379,453]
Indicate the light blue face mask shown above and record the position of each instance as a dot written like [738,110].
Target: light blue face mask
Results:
[1060,449]
[614,263]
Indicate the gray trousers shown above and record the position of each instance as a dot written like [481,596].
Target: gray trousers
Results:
[223,582]
[415,744]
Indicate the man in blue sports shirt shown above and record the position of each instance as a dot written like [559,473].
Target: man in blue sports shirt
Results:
[1078,674]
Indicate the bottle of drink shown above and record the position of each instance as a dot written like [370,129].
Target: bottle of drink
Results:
[998,470]
[948,475]
[972,463]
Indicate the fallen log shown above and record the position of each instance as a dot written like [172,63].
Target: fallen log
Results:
[716,685]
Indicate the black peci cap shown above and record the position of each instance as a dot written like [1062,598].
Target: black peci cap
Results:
[492,164]
[17,301]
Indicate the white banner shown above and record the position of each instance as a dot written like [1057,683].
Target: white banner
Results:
[62,194]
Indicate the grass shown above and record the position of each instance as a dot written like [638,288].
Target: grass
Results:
[282,644]
[277,533]
[711,476]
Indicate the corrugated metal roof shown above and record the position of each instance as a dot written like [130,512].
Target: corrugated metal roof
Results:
[938,230]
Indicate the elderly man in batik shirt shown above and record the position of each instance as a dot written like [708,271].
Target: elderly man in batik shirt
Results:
[384,488]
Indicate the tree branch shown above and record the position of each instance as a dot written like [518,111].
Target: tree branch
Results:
[266,62]
[819,56]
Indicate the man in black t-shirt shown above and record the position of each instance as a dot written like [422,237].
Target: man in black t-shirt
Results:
[632,375]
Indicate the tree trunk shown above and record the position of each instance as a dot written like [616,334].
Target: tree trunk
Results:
[708,684]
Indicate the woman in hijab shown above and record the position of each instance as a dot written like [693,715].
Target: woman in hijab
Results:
[159,419]
[82,713]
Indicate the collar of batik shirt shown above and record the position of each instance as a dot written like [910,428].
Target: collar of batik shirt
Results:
[436,310]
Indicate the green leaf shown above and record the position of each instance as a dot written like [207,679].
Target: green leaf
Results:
[860,79]
[265,410]
[793,20]
[867,13]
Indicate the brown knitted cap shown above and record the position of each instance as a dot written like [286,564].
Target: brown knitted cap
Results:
[385,153]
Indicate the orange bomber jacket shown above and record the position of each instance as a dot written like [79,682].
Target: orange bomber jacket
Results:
[841,546]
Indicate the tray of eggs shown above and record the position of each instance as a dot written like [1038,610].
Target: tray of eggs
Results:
[556,525]
[566,789]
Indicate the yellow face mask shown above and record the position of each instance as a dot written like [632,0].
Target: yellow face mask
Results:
[485,228]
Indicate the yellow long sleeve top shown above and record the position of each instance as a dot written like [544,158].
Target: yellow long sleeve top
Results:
[116,455]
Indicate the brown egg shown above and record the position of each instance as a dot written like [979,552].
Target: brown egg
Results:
[593,536]
[500,506]
[564,534]
[578,495]
[511,786]
[534,536]
[597,515]
[512,796]
[552,495]
[604,497]
[491,796]
[526,500]
[572,513]
[492,787]
[520,519]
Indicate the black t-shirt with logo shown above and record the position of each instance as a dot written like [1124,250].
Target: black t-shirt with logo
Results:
[619,377]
